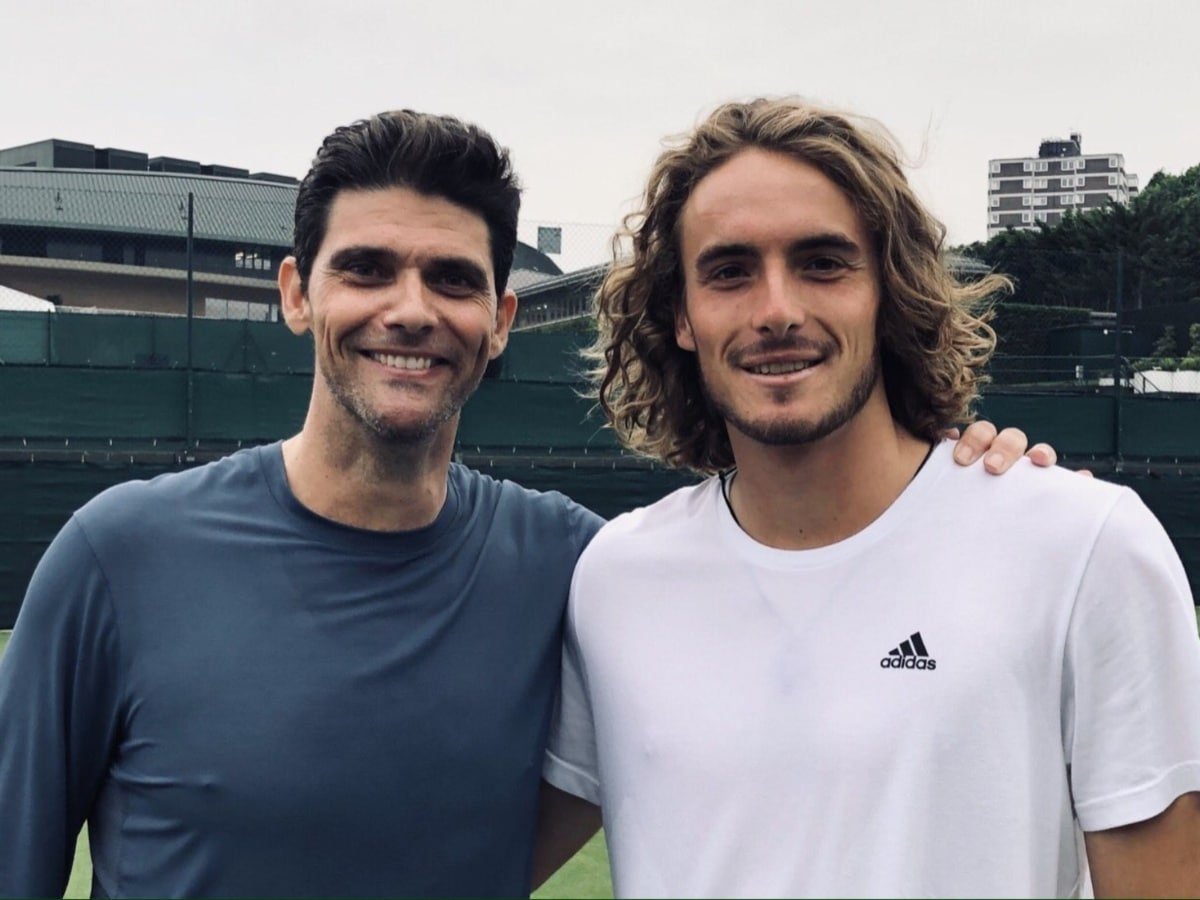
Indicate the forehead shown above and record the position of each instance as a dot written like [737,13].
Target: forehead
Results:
[406,221]
[762,198]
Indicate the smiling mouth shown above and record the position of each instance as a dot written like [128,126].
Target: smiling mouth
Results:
[401,361]
[783,368]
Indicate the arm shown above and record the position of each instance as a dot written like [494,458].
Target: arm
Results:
[58,715]
[1131,719]
[565,824]
[1002,450]
[1159,857]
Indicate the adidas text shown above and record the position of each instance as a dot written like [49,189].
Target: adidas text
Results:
[907,662]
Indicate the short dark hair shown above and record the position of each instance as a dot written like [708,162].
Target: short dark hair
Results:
[438,156]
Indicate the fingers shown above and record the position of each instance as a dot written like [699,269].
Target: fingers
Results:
[1042,455]
[999,451]
[1006,449]
[972,445]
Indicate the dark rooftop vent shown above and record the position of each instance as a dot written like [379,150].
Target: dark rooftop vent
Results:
[225,171]
[272,177]
[171,164]
[124,160]
[1052,148]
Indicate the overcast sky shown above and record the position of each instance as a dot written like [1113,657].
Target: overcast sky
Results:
[583,92]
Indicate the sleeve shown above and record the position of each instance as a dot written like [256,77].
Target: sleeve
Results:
[58,716]
[571,760]
[1132,675]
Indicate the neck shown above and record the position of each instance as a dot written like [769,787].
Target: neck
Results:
[812,495]
[343,473]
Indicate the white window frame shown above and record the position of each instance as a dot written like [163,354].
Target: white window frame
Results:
[1027,201]
[1066,181]
[1041,165]
[1115,162]
[994,219]
[1039,217]
[1040,183]
[1040,201]
[993,184]
[1112,180]
[1026,218]
[994,168]
[994,202]
[1026,184]
[1027,165]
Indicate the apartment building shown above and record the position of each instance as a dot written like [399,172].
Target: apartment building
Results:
[1026,190]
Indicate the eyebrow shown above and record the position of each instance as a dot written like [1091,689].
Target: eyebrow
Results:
[461,264]
[830,240]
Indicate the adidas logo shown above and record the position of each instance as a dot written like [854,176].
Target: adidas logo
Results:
[911,654]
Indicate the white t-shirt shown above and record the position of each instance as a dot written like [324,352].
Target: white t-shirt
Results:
[932,706]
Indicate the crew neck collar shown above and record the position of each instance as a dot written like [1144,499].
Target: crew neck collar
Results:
[350,536]
[901,509]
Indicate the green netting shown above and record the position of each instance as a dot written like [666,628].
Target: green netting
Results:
[249,407]
[1075,424]
[161,342]
[235,346]
[24,337]
[504,413]
[54,402]
[1155,426]
[117,341]
[550,357]
[36,499]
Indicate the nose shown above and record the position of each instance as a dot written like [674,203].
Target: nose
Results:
[409,305]
[778,303]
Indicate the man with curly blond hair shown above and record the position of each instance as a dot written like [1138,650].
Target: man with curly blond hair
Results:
[814,673]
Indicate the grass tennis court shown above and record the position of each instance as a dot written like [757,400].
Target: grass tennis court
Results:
[585,876]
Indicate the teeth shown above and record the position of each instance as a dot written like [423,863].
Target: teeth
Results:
[402,362]
[780,368]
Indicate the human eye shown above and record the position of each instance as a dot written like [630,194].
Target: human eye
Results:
[363,270]
[455,281]
[825,267]
[726,275]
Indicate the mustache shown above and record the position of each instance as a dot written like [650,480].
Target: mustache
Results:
[796,344]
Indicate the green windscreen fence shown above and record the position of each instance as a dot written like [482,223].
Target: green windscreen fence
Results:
[121,383]
[38,498]
[97,340]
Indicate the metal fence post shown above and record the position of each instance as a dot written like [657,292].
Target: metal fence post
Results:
[191,387]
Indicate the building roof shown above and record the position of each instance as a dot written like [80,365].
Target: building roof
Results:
[15,301]
[151,203]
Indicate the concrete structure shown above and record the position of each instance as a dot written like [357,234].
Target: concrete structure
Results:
[107,229]
[1024,191]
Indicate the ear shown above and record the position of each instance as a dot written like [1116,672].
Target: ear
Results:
[506,311]
[297,312]
[684,338]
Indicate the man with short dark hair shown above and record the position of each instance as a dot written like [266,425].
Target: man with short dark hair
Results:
[322,667]
[325,666]
[812,674]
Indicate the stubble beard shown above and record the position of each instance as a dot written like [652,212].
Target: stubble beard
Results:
[353,401]
[793,432]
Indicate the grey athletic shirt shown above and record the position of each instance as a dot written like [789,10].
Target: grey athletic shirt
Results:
[243,698]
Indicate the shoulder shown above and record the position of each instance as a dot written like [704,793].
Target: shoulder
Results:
[551,512]
[149,505]
[1044,500]
[674,518]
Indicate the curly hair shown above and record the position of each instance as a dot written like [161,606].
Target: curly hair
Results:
[932,333]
